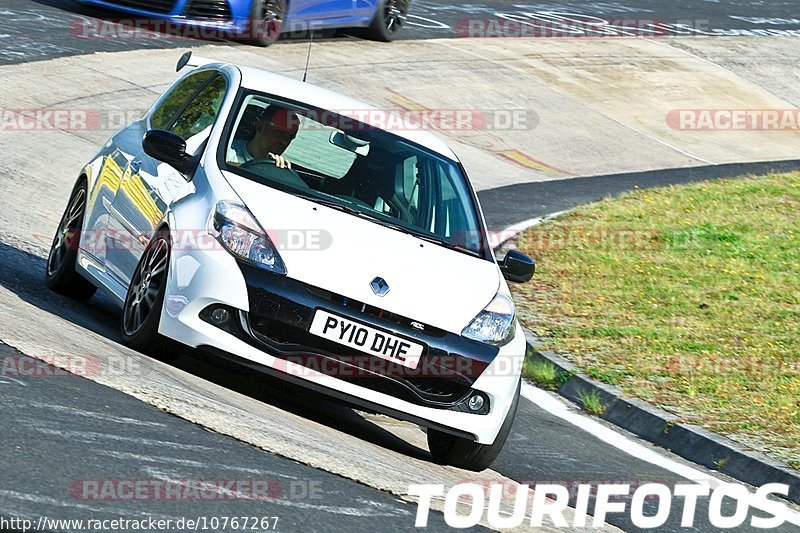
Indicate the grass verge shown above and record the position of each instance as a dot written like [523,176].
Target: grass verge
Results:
[592,403]
[543,373]
[687,297]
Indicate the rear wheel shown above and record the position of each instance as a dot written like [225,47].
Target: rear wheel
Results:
[60,274]
[141,312]
[267,18]
[463,453]
[388,21]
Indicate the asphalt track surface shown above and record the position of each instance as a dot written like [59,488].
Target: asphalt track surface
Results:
[44,29]
[535,200]
[65,428]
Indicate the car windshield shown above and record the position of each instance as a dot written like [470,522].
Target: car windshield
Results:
[368,172]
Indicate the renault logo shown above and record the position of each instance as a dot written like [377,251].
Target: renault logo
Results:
[379,286]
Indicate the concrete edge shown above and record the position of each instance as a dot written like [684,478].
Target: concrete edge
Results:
[663,429]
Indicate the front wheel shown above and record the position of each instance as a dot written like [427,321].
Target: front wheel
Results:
[141,312]
[267,18]
[463,453]
[388,21]
[61,275]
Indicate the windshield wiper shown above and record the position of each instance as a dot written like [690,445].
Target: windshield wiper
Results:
[328,203]
[448,245]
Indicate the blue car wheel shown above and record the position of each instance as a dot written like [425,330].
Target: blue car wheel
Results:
[267,18]
[389,20]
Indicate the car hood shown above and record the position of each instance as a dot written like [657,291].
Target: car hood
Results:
[342,253]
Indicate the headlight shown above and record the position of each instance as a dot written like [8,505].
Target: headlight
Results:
[240,234]
[495,324]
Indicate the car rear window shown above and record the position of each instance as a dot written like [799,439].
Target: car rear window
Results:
[312,150]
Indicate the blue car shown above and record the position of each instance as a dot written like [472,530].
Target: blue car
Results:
[263,21]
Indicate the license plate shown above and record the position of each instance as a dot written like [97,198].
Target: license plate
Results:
[366,339]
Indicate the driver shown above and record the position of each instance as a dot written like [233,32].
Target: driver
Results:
[274,131]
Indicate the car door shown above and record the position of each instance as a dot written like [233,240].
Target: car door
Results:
[150,187]
[365,8]
[302,12]
[116,159]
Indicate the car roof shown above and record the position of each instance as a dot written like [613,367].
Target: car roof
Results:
[292,89]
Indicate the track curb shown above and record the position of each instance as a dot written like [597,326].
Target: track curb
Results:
[663,429]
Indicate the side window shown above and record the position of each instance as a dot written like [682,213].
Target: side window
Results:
[201,112]
[164,114]
[452,213]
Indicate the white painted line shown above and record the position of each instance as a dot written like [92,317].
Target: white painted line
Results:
[98,416]
[514,230]
[431,24]
[519,227]
[559,408]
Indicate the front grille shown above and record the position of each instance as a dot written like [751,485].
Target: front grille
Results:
[374,311]
[208,10]
[156,6]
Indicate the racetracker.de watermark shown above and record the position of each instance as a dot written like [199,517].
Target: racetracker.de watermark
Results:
[70,365]
[45,119]
[349,365]
[110,240]
[688,366]
[209,490]
[49,120]
[571,25]
[424,119]
[549,238]
[734,119]
[349,120]
[145,29]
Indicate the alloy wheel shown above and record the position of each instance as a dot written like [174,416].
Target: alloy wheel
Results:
[395,15]
[67,231]
[272,15]
[145,285]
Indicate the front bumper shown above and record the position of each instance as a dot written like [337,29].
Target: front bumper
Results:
[213,14]
[269,331]
[281,312]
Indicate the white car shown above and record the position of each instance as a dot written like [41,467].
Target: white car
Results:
[248,215]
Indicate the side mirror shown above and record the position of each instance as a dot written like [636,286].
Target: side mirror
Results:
[517,267]
[168,148]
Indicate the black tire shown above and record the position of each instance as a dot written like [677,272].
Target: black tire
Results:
[267,19]
[388,21]
[450,450]
[141,312]
[60,274]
